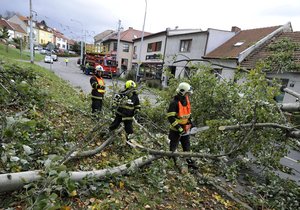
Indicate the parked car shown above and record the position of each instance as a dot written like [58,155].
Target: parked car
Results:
[39,48]
[54,57]
[48,59]
[44,51]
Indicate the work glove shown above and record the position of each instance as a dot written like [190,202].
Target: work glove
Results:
[181,131]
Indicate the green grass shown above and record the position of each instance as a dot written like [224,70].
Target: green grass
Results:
[15,54]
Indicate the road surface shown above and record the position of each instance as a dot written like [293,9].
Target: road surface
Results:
[72,73]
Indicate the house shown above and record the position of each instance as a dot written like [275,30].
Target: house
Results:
[167,48]
[149,55]
[109,44]
[191,45]
[234,51]
[70,44]
[24,23]
[45,34]
[14,30]
[100,38]
[289,79]
[59,40]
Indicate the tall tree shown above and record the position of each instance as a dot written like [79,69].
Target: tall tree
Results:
[5,35]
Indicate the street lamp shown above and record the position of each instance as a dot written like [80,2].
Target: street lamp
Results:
[30,33]
[81,44]
[142,39]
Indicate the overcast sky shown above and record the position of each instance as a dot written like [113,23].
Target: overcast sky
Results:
[96,16]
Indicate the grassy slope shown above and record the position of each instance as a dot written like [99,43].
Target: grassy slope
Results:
[15,54]
[65,117]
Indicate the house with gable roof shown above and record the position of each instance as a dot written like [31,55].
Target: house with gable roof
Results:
[14,30]
[109,44]
[173,48]
[59,40]
[290,79]
[23,22]
[45,33]
[234,51]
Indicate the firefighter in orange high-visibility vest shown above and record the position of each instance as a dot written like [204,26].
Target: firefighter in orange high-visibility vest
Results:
[179,116]
[98,89]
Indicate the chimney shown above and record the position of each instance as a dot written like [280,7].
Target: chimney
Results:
[235,29]
[130,28]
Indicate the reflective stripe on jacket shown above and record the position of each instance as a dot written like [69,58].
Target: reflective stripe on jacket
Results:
[97,93]
[127,104]
[100,82]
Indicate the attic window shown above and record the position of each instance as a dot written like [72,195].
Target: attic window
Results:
[239,44]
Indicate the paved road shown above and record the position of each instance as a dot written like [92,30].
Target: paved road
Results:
[73,74]
[80,81]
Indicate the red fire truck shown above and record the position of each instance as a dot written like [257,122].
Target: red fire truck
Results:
[107,61]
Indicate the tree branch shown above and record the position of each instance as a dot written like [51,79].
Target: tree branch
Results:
[14,181]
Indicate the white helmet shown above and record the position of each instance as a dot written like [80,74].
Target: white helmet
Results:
[184,88]
[99,68]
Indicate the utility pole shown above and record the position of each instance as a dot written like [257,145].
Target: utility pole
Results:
[118,45]
[30,34]
[81,43]
[142,39]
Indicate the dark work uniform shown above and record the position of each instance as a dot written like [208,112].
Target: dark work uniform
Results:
[126,103]
[174,134]
[98,90]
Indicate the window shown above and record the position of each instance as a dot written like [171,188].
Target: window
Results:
[185,45]
[125,47]
[115,46]
[155,46]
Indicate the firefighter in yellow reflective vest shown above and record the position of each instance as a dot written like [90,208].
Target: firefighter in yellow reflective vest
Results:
[98,89]
[179,116]
[126,104]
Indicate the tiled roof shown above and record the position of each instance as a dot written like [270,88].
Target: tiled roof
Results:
[23,18]
[129,35]
[4,23]
[263,52]
[240,42]
[11,26]
[103,35]
[71,41]
[58,34]
[17,27]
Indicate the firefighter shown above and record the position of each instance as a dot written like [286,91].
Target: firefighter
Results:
[87,68]
[66,61]
[126,104]
[98,89]
[179,117]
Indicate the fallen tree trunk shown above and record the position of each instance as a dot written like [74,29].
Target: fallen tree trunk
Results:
[15,181]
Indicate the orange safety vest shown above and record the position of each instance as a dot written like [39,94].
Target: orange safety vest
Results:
[100,82]
[184,112]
